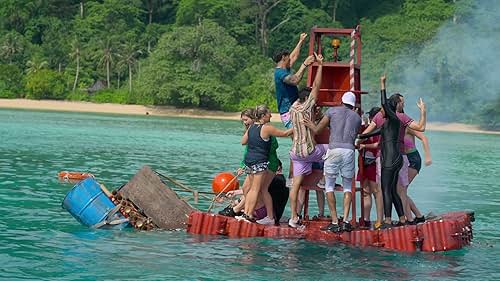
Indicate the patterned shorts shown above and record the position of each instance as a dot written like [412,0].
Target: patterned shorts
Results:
[257,168]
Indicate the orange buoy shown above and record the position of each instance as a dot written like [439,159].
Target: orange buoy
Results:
[224,182]
[65,175]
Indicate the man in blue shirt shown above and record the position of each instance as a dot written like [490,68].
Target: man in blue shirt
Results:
[286,82]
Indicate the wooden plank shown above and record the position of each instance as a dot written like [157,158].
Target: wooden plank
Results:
[157,200]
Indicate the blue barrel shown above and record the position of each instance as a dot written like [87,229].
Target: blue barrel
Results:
[87,203]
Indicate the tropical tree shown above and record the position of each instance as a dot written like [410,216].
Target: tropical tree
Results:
[128,56]
[12,46]
[260,11]
[35,64]
[81,8]
[105,54]
[45,84]
[11,81]
[193,66]
[14,14]
[55,44]
[75,54]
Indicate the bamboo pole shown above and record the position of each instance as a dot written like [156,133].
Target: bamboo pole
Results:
[186,188]
[105,190]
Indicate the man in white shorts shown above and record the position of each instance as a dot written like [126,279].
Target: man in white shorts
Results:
[339,160]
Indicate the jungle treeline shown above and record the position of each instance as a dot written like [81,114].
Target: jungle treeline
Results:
[216,54]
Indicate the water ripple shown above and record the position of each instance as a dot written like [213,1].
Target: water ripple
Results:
[41,241]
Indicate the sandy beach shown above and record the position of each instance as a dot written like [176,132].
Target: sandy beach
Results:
[52,105]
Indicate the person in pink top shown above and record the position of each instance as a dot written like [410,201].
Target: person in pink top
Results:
[414,164]
[404,121]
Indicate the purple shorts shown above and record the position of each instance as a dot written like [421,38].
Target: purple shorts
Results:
[303,166]
[286,119]
[260,213]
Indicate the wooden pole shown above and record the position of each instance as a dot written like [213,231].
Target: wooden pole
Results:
[105,190]
[186,188]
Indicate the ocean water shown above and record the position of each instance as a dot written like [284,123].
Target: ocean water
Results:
[41,241]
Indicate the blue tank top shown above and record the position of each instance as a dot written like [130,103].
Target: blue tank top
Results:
[258,149]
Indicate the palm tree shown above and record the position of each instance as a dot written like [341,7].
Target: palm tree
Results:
[35,64]
[106,54]
[81,8]
[11,46]
[76,54]
[129,54]
[120,68]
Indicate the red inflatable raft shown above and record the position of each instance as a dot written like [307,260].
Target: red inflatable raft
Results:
[450,232]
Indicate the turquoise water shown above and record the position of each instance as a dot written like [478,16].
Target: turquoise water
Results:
[41,241]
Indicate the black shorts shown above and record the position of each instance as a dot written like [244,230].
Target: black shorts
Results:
[415,160]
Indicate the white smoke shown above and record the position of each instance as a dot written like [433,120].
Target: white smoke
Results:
[457,73]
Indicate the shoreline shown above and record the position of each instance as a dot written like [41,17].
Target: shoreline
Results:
[169,111]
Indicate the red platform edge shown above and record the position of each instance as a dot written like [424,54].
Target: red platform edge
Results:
[451,231]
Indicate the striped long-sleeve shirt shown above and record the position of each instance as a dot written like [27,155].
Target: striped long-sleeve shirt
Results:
[303,139]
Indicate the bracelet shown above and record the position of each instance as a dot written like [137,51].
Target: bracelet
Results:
[305,65]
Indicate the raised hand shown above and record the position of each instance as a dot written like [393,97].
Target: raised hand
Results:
[319,58]
[303,36]
[309,60]
[382,82]
[421,104]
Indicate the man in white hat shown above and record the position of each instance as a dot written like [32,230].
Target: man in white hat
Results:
[344,125]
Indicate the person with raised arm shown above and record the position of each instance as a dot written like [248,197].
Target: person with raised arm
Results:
[304,150]
[286,82]
[391,125]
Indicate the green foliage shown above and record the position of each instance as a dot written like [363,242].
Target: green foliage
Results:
[191,12]
[215,53]
[78,96]
[490,116]
[11,81]
[45,84]
[257,87]
[14,48]
[110,96]
[192,66]
[116,16]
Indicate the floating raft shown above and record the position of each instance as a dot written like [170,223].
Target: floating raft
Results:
[451,232]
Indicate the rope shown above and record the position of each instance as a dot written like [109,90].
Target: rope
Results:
[222,191]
